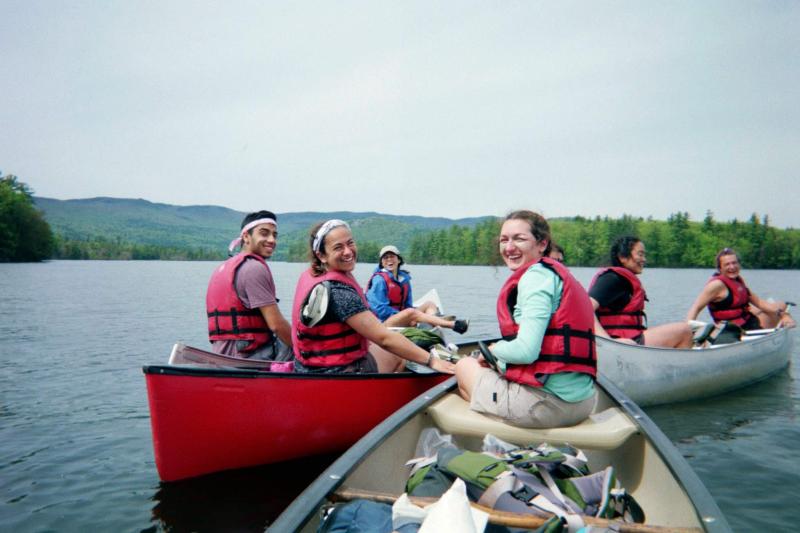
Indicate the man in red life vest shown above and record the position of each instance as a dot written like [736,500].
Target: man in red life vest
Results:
[729,299]
[243,315]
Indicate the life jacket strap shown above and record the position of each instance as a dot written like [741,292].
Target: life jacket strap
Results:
[505,482]
[615,313]
[337,351]
[313,337]
[573,521]
[234,314]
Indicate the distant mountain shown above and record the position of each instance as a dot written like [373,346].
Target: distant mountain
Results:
[212,227]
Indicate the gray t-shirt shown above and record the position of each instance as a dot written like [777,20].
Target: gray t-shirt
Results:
[255,288]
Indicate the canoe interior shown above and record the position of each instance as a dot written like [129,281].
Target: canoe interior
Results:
[646,463]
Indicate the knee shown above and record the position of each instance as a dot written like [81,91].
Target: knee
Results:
[465,371]
[409,313]
[413,313]
[465,367]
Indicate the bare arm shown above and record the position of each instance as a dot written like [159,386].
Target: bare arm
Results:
[599,330]
[712,292]
[368,325]
[275,321]
[767,307]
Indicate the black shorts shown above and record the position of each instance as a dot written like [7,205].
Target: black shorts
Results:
[752,323]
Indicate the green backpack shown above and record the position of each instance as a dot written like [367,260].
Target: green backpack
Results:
[541,481]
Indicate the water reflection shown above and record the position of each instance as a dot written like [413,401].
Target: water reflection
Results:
[720,417]
[248,499]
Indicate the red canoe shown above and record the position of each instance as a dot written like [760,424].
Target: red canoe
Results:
[207,419]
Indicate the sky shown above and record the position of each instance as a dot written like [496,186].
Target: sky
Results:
[450,108]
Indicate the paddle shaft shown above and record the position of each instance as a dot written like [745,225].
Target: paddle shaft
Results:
[504,518]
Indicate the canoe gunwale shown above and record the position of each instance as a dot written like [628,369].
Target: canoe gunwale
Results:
[652,375]
[708,511]
[197,414]
[302,509]
[254,373]
[297,514]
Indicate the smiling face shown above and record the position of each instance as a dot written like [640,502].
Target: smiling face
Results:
[636,261]
[261,240]
[729,265]
[340,250]
[390,261]
[518,246]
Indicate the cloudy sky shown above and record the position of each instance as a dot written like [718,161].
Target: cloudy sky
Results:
[408,107]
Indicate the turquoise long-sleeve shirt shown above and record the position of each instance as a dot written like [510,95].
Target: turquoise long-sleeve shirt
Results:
[538,296]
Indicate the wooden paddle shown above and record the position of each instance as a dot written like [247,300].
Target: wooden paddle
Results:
[504,518]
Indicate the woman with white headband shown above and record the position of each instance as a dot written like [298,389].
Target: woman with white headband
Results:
[333,329]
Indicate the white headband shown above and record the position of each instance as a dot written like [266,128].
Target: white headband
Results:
[324,230]
[238,240]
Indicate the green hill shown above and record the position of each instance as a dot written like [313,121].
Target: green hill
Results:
[210,228]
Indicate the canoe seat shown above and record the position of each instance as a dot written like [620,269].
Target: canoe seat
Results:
[605,430]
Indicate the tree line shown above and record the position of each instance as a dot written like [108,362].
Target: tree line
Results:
[24,233]
[101,248]
[677,242]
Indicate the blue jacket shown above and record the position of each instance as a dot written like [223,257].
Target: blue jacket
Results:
[378,293]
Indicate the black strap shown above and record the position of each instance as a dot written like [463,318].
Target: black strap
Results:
[570,359]
[615,313]
[235,329]
[636,327]
[314,337]
[326,353]
[234,312]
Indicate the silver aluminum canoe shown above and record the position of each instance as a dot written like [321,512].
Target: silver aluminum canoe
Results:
[653,376]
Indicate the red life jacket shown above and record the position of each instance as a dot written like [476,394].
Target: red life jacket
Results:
[735,307]
[329,342]
[228,318]
[568,344]
[397,291]
[631,320]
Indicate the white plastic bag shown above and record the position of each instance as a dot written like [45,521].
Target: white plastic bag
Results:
[452,512]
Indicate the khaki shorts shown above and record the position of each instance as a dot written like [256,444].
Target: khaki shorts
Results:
[524,406]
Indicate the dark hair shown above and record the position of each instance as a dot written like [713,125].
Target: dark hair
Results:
[725,251]
[539,226]
[622,248]
[553,247]
[317,268]
[255,216]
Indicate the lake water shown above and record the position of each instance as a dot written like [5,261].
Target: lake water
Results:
[75,444]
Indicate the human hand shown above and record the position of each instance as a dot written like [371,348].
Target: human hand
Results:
[440,365]
[626,341]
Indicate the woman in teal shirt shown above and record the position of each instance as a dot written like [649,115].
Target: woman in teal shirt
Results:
[546,367]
